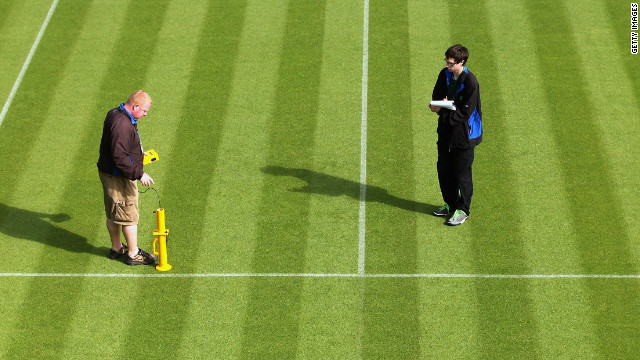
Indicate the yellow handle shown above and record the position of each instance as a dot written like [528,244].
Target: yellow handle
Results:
[155,252]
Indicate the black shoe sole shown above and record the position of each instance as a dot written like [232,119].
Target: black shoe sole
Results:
[146,262]
[140,263]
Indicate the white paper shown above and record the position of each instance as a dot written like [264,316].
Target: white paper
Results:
[447,104]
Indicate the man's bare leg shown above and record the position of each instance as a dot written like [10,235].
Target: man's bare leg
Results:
[131,236]
[114,234]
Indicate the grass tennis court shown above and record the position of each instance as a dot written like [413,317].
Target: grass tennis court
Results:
[298,174]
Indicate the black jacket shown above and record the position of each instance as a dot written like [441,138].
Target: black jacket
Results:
[120,148]
[461,128]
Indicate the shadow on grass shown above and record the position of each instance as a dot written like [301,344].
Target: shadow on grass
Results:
[323,184]
[31,225]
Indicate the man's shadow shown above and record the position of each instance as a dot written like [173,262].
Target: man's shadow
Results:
[31,225]
[323,184]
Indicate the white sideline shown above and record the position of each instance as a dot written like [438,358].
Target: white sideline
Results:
[321,275]
[16,85]
[363,141]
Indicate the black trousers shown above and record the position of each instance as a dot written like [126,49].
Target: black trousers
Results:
[454,175]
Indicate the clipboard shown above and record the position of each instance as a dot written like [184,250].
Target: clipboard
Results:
[445,104]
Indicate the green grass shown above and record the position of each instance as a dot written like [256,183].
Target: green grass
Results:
[257,112]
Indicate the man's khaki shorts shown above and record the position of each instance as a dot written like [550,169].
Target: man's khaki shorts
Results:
[120,199]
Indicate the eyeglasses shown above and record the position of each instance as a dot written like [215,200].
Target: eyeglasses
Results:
[450,63]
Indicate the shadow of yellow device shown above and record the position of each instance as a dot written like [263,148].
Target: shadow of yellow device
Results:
[150,156]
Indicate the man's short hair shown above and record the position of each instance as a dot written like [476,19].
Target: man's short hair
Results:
[139,97]
[458,52]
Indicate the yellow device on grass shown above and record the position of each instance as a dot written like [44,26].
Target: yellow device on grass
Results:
[150,156]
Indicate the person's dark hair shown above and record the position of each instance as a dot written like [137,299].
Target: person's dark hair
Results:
[457,52]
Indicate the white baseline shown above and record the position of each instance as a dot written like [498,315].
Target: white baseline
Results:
[328,275]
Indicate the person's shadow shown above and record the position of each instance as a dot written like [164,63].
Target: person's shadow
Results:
[323,184]
[31,225]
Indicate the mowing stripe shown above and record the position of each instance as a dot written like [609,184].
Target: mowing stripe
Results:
[391,211]
[493,335]
[363,140]
[16,85]
[284,216]
[203,120]
[329,275]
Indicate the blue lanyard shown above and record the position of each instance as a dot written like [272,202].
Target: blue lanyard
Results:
[134,121]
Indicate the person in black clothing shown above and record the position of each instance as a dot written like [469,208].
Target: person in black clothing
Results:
[120,165]
[459,131]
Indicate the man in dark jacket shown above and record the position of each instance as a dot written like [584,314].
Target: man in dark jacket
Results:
[120,165]
[459,131]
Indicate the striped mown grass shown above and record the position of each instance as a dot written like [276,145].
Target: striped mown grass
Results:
[257,120]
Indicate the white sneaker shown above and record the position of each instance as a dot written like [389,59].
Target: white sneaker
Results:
[458,218]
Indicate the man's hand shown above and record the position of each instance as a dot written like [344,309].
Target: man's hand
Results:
[436,109]
[146,180]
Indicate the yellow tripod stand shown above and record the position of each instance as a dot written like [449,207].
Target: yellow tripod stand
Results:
[161,234]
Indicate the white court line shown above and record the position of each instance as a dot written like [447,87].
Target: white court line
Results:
[16,85]
[337,275]
[363,141]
